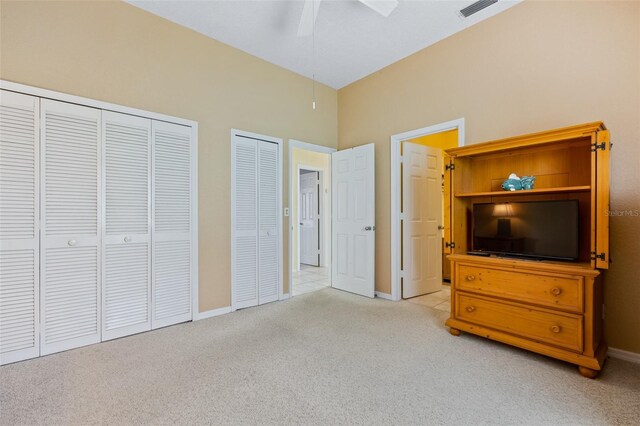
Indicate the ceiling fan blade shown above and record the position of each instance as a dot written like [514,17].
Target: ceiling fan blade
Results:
[308,18]
[383,7]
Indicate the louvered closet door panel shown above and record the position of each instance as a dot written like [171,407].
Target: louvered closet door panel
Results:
[70,237]
[126,273]
[19,254]
[245,222]
[268,259]
[172,262]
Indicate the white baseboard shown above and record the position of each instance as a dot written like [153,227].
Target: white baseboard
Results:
[382,295]
[625,355]
[213,313]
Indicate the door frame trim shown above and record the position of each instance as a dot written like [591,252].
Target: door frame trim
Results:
[321,228]
[293,143]
[396,193]
[244,134]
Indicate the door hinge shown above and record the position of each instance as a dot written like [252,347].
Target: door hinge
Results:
[450,245]
[601,146]
[595,256]
[449,167]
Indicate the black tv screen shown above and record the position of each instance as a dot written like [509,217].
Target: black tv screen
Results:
[537,229]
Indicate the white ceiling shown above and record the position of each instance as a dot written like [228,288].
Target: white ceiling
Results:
[351,40]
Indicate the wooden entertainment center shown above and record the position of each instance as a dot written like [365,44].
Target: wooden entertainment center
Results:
[554,308]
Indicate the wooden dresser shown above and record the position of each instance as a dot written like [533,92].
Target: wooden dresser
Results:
[554,308]
[549,308]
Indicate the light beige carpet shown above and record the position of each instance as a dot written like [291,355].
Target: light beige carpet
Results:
[321,358]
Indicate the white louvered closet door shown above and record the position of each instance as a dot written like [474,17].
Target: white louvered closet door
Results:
[19,240]
[70,226]
[268,251]
[172,258]
[255,249]
[126,267]
[244,221]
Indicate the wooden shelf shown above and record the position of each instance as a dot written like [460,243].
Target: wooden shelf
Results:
[557,190]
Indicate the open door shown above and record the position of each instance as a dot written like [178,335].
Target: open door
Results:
[446,194]
[422,224]
[353,220]
[600,158]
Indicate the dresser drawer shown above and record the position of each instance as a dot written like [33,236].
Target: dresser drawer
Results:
[559,329]
[553,290]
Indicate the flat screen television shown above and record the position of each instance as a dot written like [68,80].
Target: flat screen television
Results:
[533,229]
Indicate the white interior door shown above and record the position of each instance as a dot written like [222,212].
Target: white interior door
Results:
[422,210]
[70,223]
[171,231]
[353,220]
[19,235]
[126,279]
[309,210]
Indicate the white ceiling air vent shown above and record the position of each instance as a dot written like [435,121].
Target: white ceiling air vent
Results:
[476,7]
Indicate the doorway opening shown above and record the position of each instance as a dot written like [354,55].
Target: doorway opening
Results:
[310,201]
[420,271]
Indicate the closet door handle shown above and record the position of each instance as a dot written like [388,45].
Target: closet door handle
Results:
[127,239]
[72,243]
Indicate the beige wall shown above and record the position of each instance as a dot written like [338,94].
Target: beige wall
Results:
[302,157]
[117,53]
[537,66]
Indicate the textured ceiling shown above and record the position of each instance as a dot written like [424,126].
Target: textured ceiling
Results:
[351,40]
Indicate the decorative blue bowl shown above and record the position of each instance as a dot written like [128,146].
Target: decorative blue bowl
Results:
[512,185]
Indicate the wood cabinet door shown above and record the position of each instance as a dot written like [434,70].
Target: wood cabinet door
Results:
[447,193]
[600,158]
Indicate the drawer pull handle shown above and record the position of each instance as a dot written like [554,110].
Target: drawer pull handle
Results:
[556,291]
[471,308]
[471,277]
[556,328]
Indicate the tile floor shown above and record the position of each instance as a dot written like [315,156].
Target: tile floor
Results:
[440,300]
[310,278]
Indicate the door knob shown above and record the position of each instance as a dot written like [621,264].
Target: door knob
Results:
[440,228]
[369,228]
